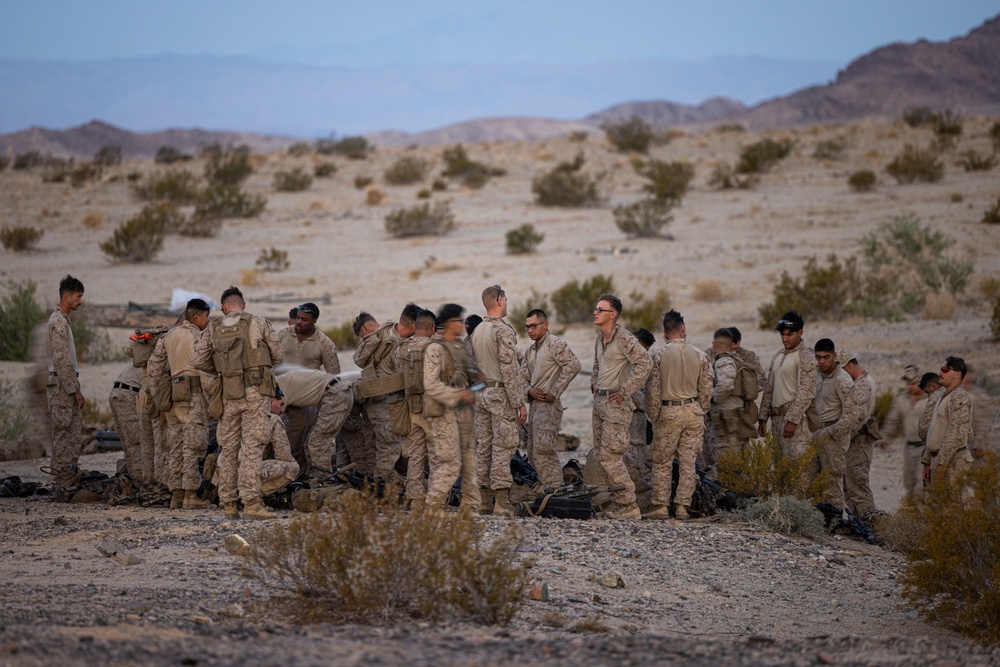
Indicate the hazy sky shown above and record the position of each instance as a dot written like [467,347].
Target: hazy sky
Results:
[374,33]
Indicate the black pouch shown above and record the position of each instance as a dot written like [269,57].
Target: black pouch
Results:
[560,508]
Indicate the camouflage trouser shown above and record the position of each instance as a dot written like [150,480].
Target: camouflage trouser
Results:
[243,433]
[543,433]
[330,417]
[611,425]
[359,439]
[187,441]
[725,425]
[796,445]
[913,469]
[832,464]
[297,423]
[123,402]
[496,436]
[637,455]
[857,486]
[67,427]
[445,457]
[957,466]
[466,418]
[275,474]
[387,444]
[151,432]
[678,431]
[415,451]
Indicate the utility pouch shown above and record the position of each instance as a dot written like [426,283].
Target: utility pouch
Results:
[228,357]
[432,408]
[416,403]
[180,389]
[399,417]
[213,392]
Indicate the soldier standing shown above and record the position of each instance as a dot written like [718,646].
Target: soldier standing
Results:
[838,410]
[678,394]
[65,400]
[241,348]
[726,407]
[903,422]
[621,366]
[857,473]
[122,399]
[551,365]
[410,362]
[790,388]
[946,424]
[500,408]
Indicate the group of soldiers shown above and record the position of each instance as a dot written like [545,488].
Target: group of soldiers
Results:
[450,395]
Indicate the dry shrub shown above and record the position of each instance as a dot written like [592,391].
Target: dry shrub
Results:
[229,165]
[723,177]
[372,562]
[991,216]
[354,148]
[95,414]
[19,315]
[667,181]
[459,166]
[421,220]
[294,180]
[15,418]
[92,220]
[709,291]
[939,306]
[177,185]
[342,336]
[952,576]
[228,201]
[374,196]
[899,531]
[916,164]
[523,240]
[830,149]
[138,239]
[567,185]
[250,277]
[883,404]
[758,469]
[273,260]
[20,237]
[646,313]
[518,313]
[863,180]
[783,514]
[970,160]
[575,301]
[361,182]
[324,169]
[592,625]
[643,219]
[995,319]
[629,135]
[407,170]
[761,156]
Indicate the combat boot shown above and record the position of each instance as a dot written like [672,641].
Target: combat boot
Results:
[502,506]
[658,512]
[193,502]
[231,510]
[417,505]
[624,513]
[681,513]
[485,502]
[177,499]
[258,512]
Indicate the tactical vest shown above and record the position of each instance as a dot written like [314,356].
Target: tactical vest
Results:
[239,364]
[432,408]
[411,365]
[145,341]
[745,385]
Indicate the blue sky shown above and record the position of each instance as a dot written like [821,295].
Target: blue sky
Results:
[378,33]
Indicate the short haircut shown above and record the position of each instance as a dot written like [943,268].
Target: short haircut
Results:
[724,332]
[293,313]
[645,337]
[426,320]
[310,308]
[825,345]
[195,306]
[539,313]
[449,311]
[790,321]
[471,322]
[361,320]
[491,295]
[615,302]
[229,294]
[409,314]
[672,321]
[737,336]
[927,378]
[957,364]
[69,284]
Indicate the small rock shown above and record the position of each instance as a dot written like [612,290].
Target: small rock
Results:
[236,545]
[236,611]
[132,617]
[825,658]
[201,619]
[647,594]
[539,592]
[61,521]
[611,580]
[126,559]
[110,548]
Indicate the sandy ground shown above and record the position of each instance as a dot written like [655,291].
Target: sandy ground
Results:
[717,592]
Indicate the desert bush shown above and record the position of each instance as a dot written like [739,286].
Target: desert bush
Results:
[96,414]
[578,136]
[362,182]
[374,196]
[179,186]
[903,246]
[108,156]
[821,291]
[970,160]
[372,562]
[645,312]
[994,133]
[27,160]
[947,123]
[92,220]
[294,180]
[991,216]
[138,239]
[228,201]
[421,220]
[939,306]
[758,469]
[20,237]
[85,172]
[567,185]
[459,166]
[518,313]
[164,215]
[406,170]
[170,155]
[708,291]
[575,301]
[629,135]
[899,531]
[93,344]
[523,240]
[423,193]
[299,149]
[342,336]
[830,149]
[15,417]
[4,162]
[783,514]
[883,403]
[724,177]
[863,180]
[19,315]
[952,576]
[439,185]
[354,148]
[916,164]
[761,156]
[667,181]
[56,170]
[273,260]
[227,166]
[918,116]
[202,227]
[324,169]
[644,219]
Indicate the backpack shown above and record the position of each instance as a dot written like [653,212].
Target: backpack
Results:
[145,341]
[745,385]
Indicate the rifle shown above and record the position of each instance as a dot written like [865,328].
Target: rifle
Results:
[336,476]
[857,528]
[569,501]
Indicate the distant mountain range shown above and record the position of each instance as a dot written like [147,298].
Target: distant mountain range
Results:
[962,74]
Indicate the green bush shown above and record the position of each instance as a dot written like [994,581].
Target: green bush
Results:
[523,240]
[423,193]
[830,149]
[324,169]
[85,172]
[439,185]
[170,155]
[644,219]
[667,181]
[567,186]
[20,237]
[138,239]
[56,170]
[758,469]
[904,245]
[970,160]
[406,170]
[629,135]
[228,201]
[19,315]
[354,148]
[93,344]
[165,215]
[421,220]
[821,291]
[227,166]
[15,418]
[273,260]
[575,301]
[295,180]
[342,336]
[646,312]
[724,177]
[863,180]
[27,160]
[578,136]
[108,156]
[918,116]
[517,314]
[362,182]
[947,123]
[916,164]
[177,185]
[991,216]
[761,156]
[883,403]
[299,149]
[459,166]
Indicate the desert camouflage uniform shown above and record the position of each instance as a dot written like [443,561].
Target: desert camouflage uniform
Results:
[621,366]
[495,347]
[903,422]
[243,428]
[123,398]
[152,431]
[330,396]
[357,438]
[982,419]
[946,427]
[375,349]
[678,394]
[857,473]
[415,443]
[748,357]
[838,406]
[551,365]
[637,456]
[315,352]
[278,468]
[788,394]
[60,390]
[725,408]
[443,383]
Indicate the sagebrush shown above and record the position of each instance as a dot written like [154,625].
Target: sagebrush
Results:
[991,216]
[644,218]
[407,170]
[421,220]
[292,180]
[19,315]
[138,239]
[567,185]
[863,180]
[20,237]
[229,165]
[523,240]
[342,336]
[915,164]
[629,135]
[575,300]
[459,166]
[177,185]
[646,312]
[783,514]
[758,469]
[353,148]
[763,155]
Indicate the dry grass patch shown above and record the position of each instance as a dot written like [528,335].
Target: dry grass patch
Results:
[939,306]
[708,291]
[92,220]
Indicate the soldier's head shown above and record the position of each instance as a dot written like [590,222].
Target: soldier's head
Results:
[471,322]
[277,406]
[722,341]
[645,337]
[196,313]
[536,323]
[70,293]
[450,321]
[849,362]
[424,326]
[826,356]
[305,319]
[232,301]
[930,382]
[790,328]
[608,310]
[293,314]
[673,325]
[495,301]
[953,372]
[408,320]
[911,376]
[364,324]
[737,337]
